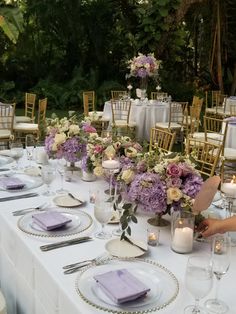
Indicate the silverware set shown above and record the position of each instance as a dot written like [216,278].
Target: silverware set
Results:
[72,268]
[24,211]
[16,197]
[52,246]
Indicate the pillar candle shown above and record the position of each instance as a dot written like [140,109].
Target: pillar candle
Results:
[182,240]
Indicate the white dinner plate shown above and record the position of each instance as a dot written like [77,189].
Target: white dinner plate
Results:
[67,201]
[80,221]
[163,286]
[29,181]
[124,249]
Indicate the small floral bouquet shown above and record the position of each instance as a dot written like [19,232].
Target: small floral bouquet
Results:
[159,183]
[66,138]
[143,66]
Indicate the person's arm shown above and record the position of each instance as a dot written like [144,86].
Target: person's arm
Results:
[213,226]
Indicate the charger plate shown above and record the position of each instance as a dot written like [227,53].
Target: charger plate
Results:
[81,221]
[29,181]
[4,160]
[162,282]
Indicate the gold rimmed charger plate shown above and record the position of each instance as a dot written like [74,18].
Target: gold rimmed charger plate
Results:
[162,282]
[81,221]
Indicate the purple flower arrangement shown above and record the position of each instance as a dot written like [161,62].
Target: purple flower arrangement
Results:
[143,66]
[164,185]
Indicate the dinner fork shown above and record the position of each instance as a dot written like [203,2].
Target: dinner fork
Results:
[27,210]
[71,268]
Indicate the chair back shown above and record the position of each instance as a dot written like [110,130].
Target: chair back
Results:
[30,105]
[176,113]
[191,120]
[214,130]
[158,95]
[42,111]
[162,139]
[118,94]
[205,154]
[7,113]
[120,111]
[88,102]
[197,102]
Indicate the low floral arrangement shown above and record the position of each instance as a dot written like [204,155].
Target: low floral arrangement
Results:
[66,138]
[143,66]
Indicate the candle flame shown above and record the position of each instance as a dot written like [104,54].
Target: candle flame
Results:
[233,180]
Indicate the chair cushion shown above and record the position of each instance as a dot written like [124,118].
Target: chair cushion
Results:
[199,136]
[165,125]
[96,113]
[230,153]
[26,126]
[22,119]
[5,133]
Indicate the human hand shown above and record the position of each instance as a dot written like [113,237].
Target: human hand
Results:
[210,226]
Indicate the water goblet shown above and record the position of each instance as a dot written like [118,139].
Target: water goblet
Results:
[61,169]
[17,152]
[48,174]
[198,280]
[103,212]
[29,146]
[221,255]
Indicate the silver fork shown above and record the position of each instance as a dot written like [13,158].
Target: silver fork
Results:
[72,268]
[28,210]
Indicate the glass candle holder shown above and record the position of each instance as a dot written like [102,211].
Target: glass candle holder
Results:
[182,228]
[153,236]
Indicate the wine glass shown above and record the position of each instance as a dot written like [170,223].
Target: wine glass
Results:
[198,280]
[17,152]
[29,146]
[61,169]
[103,212]
[48,174]
[221,255]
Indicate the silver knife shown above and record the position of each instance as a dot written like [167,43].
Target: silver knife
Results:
[56,245]
[16,197]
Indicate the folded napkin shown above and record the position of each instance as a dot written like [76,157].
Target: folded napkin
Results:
[50,220]
[11,183]
[230,119]
[121,286]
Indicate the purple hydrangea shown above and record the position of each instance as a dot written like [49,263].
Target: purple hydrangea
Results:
[148,190]
[71,150]
[192,184]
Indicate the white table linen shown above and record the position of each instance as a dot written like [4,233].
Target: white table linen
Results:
[230,101]
[145,114]
[33,281]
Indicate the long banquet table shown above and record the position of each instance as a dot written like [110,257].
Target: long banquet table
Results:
[145,114]
[33,282]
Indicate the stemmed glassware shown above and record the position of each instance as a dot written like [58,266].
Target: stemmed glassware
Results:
[17,152]
[111,165]
[61,169]
[48,174]
[221,255]
[29,146]
[103,212]
[198,280]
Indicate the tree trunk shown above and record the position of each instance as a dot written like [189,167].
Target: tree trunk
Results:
[219,61]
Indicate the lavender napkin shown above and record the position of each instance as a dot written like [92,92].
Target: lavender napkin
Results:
[121,286]
[50,220]
[11,183]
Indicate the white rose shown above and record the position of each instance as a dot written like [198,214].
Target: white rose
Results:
[173,194]
[98,171]
[131,152]
[74,129]
[58,140]
[128,176]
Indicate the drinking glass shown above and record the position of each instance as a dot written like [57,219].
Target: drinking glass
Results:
[198,280]
[61,169]
[48,174]
[103,212]
[29,146]
[17,152]
[221,255]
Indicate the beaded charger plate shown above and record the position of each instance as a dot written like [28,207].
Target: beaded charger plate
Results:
[80,221]
[163,284]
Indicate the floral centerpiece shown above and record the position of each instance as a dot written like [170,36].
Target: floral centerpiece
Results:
[143,66]
[66,138]
[160,184]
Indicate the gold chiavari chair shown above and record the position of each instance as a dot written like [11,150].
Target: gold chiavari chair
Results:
[211,101]
[7,112]
[232,110]
[29,116]
[161,139]
[118,94]
[89,104]
[121,117]
[20,129]
[205,154]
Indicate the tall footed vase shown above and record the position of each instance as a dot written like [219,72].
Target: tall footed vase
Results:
[143,87]
[158,221]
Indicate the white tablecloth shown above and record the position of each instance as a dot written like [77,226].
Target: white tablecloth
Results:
[229,102]
[145,114]
[33,281]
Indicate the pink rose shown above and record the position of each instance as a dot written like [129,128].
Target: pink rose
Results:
[89,129]
[174,170]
